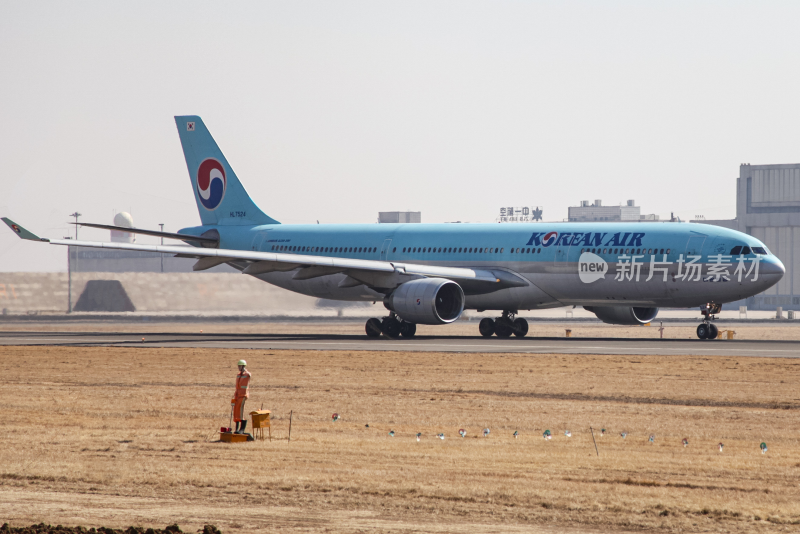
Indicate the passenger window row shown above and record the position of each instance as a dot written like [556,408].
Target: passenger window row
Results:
[334,250]
[453,250]
[625,251]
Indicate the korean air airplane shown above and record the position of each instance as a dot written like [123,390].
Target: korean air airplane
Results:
[430,273]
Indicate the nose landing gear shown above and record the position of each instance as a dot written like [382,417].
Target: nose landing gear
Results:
[504,326]
[706,329]
[390,327]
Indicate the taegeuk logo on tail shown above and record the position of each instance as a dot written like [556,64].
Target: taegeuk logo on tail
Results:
[211,183]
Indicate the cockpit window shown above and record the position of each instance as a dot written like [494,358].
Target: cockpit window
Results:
[759,250]
[746,250]
[735,251]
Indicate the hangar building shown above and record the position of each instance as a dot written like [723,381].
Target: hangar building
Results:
[768,208]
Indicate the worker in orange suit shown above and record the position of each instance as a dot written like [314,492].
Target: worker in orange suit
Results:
[241,395]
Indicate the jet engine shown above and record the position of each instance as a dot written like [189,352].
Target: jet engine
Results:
[621,315]
[427,301]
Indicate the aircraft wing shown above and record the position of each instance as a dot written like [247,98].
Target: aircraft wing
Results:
[183,237]
[373,273]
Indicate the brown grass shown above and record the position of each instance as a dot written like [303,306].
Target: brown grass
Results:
[118,436]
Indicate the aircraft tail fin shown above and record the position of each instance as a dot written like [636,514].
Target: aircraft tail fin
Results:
[220,196]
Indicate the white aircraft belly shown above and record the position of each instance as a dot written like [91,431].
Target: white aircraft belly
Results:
[514,298]
[325,287]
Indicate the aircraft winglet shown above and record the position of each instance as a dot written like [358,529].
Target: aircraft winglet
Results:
[22,232]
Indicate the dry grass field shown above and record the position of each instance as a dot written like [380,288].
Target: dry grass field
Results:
[118,437]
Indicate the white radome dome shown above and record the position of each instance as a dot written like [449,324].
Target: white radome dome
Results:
[125,220]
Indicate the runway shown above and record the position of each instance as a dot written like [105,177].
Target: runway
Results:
[527,345]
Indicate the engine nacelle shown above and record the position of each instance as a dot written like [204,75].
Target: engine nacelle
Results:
[622,315]
[427,301]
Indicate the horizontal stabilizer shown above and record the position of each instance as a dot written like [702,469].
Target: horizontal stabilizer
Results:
[155,233]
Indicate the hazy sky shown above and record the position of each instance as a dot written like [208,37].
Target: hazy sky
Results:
[337,110]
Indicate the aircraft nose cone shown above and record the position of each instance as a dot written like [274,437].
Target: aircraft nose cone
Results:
[772,267]
[770,272]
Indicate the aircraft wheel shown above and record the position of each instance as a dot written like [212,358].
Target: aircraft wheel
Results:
[373,328]
[520,327]
[703,331]
[713,331]
[486,327]
[408,329]
[391,327]
[502,329]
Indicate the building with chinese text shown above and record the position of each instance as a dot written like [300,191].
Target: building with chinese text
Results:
[520,214]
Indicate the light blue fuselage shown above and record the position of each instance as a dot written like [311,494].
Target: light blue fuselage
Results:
[646,263]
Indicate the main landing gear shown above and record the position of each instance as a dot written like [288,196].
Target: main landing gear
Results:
[504,326]
[390,327]
[706,329]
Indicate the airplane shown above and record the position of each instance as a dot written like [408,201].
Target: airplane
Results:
[429,274]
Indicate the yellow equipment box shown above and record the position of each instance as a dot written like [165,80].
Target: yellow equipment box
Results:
[230,437]
[261,420]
